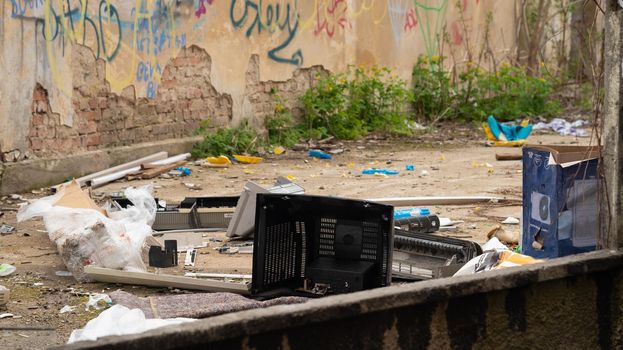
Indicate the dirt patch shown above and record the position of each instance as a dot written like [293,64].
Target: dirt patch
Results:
[454,167]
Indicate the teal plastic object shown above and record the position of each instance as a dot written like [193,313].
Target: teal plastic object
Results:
[380,171]
[316,153]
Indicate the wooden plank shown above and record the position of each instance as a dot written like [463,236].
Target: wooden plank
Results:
[508,156]
[420,201]
[162,280]
[161,169]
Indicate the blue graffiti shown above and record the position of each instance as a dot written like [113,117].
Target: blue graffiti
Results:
[72,17]
[274,20]
[19,7]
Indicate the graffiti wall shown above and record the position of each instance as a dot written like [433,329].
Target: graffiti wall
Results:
[133,46]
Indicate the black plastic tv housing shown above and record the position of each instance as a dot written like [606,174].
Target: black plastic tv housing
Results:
[305,242]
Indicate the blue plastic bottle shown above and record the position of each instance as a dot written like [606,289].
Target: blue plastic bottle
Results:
[411,212]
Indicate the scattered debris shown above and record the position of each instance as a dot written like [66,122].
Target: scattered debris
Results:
[163,258]
[63,274]
[279,150]
[119,320]
[565,128]
[192,186]
[424,173]
[100,181]
[494,260]
[98,301]
[511,221]
[337,151]
[65,309]
[316,153]
[191,256]
[6,230]
[504,236]
[6,270]
[248,159]
[82,230]
[163,280]
[7,315]
[4,296]
[507,156]
[410,168]
[218,162]
[374,171]
[149,171]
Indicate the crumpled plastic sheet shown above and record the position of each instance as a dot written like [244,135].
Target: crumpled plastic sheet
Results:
[85,236]
[200,305]
[119,320]
[564,127]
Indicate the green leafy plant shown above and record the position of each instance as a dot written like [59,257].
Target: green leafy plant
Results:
[281,125]
[350,105]
[509,93]
[225,141]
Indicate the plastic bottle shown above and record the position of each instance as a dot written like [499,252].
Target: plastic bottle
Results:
[411,212]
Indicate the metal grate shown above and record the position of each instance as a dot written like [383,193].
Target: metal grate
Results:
[280,249]
[326,241]
[369,242]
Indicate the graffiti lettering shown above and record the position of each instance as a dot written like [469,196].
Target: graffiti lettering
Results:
[273,19]
[201,10]
[19,7]
[72,24]
[410,21]
[331,17]
[397,15]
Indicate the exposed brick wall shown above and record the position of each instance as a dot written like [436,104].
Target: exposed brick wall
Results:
[185,97]
[104,119]
[263,101]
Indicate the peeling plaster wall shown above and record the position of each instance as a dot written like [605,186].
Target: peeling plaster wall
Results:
[86,69]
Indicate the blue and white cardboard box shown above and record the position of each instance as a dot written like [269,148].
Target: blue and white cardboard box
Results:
[560,200]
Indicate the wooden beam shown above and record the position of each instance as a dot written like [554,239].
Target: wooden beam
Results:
[508,156]
[611,191]
[419,201]
[161,280]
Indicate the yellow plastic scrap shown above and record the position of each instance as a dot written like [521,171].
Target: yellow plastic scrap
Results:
[517,143]
[248,159]
[218,162]
[291,177]
[279,150]
[488,132]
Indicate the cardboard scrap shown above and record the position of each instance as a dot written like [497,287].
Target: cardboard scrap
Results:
[75,197]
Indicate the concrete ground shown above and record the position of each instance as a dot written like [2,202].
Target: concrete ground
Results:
[459,165]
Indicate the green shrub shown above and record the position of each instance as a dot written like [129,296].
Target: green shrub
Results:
[350,105]
[281,126]
[508,94]
[225,141]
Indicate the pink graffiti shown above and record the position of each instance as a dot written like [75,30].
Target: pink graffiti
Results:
[334,16]
[410,20]
[202,7]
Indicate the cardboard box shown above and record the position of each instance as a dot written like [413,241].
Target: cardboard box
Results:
[560,200]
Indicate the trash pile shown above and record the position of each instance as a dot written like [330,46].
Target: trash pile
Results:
[301,246]
[565,128]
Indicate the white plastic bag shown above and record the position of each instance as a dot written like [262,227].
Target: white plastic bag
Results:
[119,320]
[85,236]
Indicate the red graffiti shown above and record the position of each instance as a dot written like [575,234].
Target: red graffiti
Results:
[334,17]
[455,33]
[410,20]
[202,7]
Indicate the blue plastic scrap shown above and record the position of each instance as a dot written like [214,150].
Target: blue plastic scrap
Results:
[380,171]
[316,153]
[185,171]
